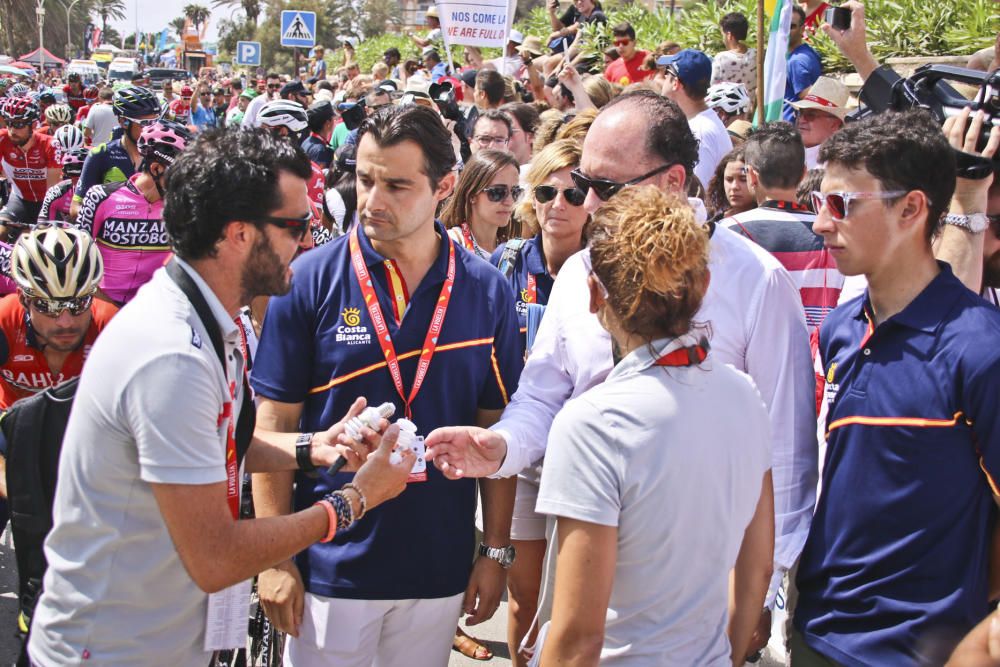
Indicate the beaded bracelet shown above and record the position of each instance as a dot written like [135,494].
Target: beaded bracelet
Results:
[345,513]
[362,502]
[331,515]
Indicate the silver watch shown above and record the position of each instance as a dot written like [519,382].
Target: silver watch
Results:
[502,555]
[974,223]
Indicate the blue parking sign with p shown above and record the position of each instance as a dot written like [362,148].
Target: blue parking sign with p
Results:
[298,28]
[248,53]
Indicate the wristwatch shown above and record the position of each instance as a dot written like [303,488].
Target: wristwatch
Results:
[303,452]
[974,223]
[502,555]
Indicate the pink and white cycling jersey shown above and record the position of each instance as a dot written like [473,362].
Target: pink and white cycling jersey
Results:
[130,235]
[55,206]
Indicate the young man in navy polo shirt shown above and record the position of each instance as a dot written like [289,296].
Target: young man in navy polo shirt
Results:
[895,568]
[392,311]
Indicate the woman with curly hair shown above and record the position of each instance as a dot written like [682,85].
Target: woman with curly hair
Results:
[659,477]
[478,214]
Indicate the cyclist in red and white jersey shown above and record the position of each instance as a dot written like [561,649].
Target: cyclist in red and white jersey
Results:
[74,92]
[126,219]
[47,328]
[55,208]
[288,119]
[29,162]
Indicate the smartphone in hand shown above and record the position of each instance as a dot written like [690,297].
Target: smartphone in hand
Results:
[838,17]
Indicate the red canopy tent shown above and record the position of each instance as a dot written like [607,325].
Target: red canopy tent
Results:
[34,58]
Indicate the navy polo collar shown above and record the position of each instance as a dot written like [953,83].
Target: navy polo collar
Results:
[436,273]
[534,256]
[929,308]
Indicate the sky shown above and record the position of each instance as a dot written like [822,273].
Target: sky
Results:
[154,15]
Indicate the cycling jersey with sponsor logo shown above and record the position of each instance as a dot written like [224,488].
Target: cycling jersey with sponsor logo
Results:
[56,204]
[107,163]
[130,235]
[317,191]
[7,284]
[26,169]
[23,368]
[74,100]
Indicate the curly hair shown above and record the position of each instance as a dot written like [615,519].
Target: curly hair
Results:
[559,155]
[716,200]
[479,172]
[225,175]
[652,258]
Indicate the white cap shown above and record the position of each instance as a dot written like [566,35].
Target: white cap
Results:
[515,36]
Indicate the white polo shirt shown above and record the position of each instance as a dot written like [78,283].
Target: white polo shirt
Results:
[678,465]
[756,325]
[147,411]
[713,144]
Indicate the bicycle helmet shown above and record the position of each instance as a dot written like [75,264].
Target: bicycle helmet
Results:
[58,114]
[69,137]
[51,262]
[20,108]
[46,96]
[72,161]
[283,113]
[186,91]
[90,94]
[18,90]
[730,97]
[163,141]
[134,101]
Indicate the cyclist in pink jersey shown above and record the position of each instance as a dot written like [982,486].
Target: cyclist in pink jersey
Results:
[55,206]
[126,219]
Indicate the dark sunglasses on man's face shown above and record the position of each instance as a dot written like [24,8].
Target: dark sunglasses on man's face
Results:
[497,193]
[606,189]
[273,86]
[19,124]
[55,307]
[546,193]
[298,226]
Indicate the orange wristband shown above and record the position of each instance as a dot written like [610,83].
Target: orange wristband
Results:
[331,515]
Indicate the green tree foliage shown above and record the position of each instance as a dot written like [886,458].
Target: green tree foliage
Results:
[251,8]
[19,29]
[197,14]
[109,10]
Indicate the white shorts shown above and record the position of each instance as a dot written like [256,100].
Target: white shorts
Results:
[526,524]
[374,633]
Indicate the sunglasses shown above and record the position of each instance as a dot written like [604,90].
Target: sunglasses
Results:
[144,122]
[497,193]
[273,86]
[837,203]
[298,226]
[19,124]
[622,42]
[546,193]
[55,307]
[605,189]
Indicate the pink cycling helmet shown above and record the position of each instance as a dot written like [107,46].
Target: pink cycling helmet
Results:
[163,141]
[72,161]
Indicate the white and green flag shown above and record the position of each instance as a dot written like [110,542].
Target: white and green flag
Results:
[780,12]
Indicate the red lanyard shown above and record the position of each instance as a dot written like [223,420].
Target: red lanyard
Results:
[232,464]
[382,331]
[684,356]
[531,291]
[470,241]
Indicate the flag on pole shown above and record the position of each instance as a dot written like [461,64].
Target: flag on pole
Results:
[775,60]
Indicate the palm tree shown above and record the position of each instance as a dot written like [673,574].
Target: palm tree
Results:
[178,25]
[109,9]
[250,7]
[197,14]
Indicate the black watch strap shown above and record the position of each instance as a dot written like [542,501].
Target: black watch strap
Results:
[303,452]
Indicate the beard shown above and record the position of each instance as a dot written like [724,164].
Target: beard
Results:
[48,338]
[264,273]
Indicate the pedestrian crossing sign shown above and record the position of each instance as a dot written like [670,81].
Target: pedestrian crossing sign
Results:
[298,28]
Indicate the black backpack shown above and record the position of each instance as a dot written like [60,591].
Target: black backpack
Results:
[34,429]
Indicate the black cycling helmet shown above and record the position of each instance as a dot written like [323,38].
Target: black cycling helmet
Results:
[135,101]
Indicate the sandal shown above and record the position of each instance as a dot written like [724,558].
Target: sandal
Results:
[470,647]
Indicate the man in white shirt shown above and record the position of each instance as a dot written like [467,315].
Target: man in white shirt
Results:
[271,92]
[101,121]
[752,307]
[511,63]
[686,78]
[819,114]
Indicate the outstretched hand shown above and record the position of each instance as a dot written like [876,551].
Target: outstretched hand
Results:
[333,443]
[466,451]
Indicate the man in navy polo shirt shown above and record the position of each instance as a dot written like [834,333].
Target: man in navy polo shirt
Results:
[895,568]
[394,312]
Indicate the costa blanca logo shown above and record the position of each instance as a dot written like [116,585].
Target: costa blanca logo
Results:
[352,316]
[351,332]
[525,297]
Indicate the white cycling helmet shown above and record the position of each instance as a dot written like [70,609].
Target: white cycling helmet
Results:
[730,97]
[59,113]
[51,262]
[69,137]
[283,113]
